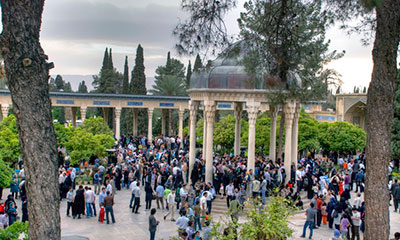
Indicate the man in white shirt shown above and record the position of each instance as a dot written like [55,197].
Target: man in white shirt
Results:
[299,179]
[132,188]
[137,192]
[171,205]
[355,227]
[183,193]
[109,187]
[89,200]
[229,192]
[357,201]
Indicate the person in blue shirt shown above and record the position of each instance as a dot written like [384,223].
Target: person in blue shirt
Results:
[102,195]
[160,196]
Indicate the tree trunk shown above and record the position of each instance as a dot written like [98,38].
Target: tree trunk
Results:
[379,119]
[28,74]
[280,141]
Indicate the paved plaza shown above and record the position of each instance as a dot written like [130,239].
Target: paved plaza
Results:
[130,226]
[135,226]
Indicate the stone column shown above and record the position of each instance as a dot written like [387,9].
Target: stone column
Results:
[252,110]
[272,135]
[74,109]
[289,109]
[83,113]
[163,116]
[150,124]
[117,112]
[209,107]
[106,115]
[135,122]
[193,108]
[238,126]
[204,133]
[180,132]
[4,111]
[295,134]
[170,132]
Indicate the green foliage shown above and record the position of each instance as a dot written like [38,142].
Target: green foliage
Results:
[270,223]
[63,133]
[83,145]
[96,126]
[5,175]
[58,113]
[342,137]
[308,133]
[105,82]
[188,75]
[224,132]
[395,143]
[9,143]
[197,64]
[125,84]
[138,79]
[170,79]
[82,88]
[14,231]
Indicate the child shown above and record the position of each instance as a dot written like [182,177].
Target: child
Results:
[324,213]
[221,191]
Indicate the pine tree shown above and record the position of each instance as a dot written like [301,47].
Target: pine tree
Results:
[138,79]
[197,64]
[82,88]
[125,84]
[188,75]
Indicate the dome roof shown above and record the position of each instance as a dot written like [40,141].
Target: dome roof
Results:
[228,72]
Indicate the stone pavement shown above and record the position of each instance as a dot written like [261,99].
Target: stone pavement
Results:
[135,226]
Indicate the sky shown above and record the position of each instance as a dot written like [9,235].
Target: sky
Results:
[76,32]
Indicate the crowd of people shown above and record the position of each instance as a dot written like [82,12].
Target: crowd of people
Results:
[332,186]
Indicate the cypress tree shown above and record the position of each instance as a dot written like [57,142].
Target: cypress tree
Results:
[125,84]
[197,64]
[138,80]
[110,61]
[188,75]
[82,88]
[59,82]
[105,60]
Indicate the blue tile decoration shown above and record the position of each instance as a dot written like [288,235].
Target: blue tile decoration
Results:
[102,103]
[224,106]
[167,104]
[307,108]
[325,118]
[70,102]
[135,103]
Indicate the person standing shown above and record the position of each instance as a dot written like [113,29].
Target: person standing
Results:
[310,213]
[136,205]
[153,224]
[396,196]
[102,195]
[149,195]
[97,182]
[171,205]
[88,203]
[234,209]
[79,202]
[160,196]
[229,193]
[355,227]
[70,200]
[109,202]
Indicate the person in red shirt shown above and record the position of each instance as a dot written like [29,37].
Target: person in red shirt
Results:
[319,209]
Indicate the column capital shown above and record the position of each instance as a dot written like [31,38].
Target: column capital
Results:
[238,109]
[289,109]
[209,110]
[193,108]
[297,111]
[4,109]
[274,110]
[252,111]
[150,111]
[117,112]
